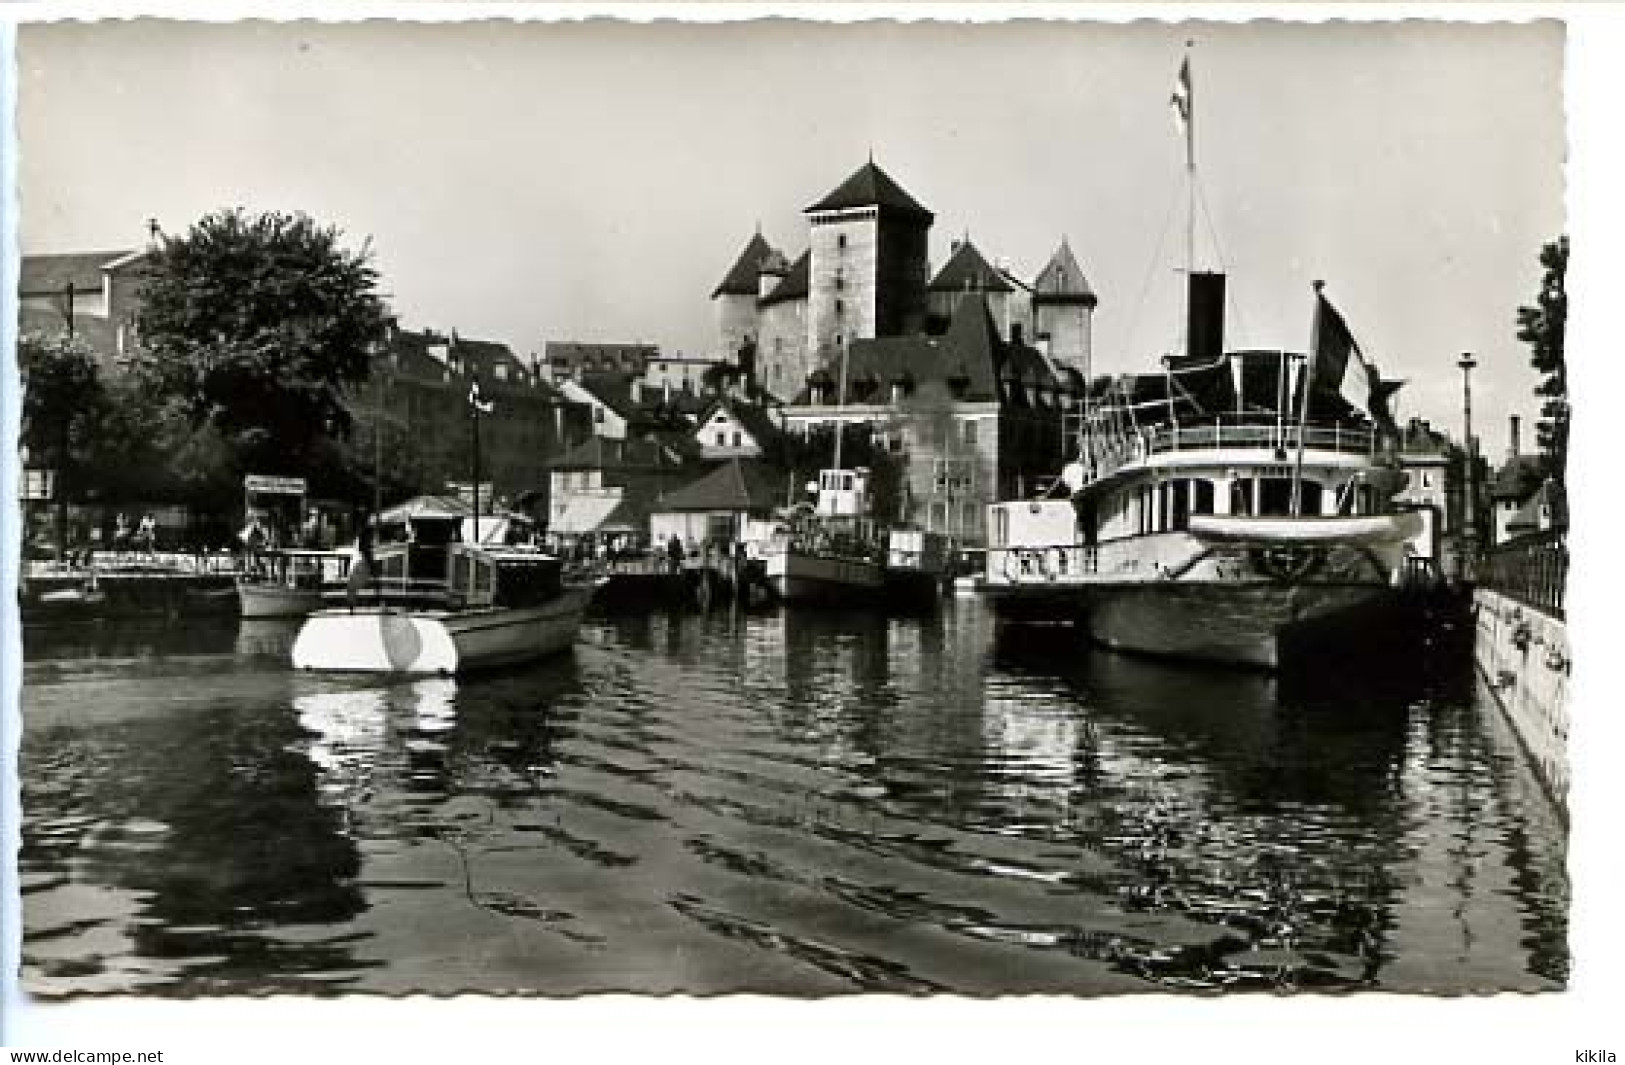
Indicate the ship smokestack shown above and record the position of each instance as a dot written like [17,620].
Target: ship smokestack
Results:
[1204,325]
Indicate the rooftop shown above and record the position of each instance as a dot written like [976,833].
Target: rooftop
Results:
[870,186]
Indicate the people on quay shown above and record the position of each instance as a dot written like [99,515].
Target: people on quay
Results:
[146,534]
[362,564]
[121,533]
[253,538]
[674,553]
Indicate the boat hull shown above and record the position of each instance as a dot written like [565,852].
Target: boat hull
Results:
[393,640]
[799,578]
[913,588]
[276,601]
[1261,625]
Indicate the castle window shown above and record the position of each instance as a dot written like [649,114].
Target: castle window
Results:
[840,307]
[840,241]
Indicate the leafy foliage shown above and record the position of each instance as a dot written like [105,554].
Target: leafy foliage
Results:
[1542,327]
[254,326]
[63,406]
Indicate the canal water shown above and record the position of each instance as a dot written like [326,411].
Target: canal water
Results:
[787,803]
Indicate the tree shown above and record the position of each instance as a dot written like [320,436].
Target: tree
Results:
[63,403]
[1542,328]
[256,327]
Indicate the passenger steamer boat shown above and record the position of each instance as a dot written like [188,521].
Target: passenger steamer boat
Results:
[839,553]
[831,555]
[1231,506]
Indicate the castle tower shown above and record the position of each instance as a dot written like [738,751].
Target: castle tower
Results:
[1063,311]
[869,264]
[737,294]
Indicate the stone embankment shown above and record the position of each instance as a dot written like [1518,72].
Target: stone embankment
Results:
[1522,655]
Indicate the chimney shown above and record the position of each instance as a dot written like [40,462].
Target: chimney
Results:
[1513,452]
[1205,325]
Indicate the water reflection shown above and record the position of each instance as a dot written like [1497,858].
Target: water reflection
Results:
[799,802]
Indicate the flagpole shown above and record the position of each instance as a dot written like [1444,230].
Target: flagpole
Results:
[1190,188]
[475,407]
[1303,408]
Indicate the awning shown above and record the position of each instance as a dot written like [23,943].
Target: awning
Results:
[583,514]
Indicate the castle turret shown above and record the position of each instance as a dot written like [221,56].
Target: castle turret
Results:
[967,273]
[737,294]
[769,272]
[1063,311]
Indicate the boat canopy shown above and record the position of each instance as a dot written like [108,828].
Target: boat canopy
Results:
[452,520]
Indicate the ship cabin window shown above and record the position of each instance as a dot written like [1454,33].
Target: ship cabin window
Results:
[1272,496]
[1201,497]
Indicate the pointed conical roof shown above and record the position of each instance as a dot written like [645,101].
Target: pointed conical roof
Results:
[966,270]
[1062,281]
[794,285]
[741,280]
[870,186]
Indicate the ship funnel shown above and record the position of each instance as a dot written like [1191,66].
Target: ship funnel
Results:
[1204,324]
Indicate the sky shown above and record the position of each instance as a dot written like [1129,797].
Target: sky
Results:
[595,180]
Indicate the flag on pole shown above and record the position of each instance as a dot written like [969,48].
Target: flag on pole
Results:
[1183,102]
[483,406]
[1338,360]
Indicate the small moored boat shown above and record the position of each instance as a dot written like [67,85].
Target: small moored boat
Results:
[289,583]
[442,607]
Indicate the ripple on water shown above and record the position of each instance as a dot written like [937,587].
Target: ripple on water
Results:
[911,806]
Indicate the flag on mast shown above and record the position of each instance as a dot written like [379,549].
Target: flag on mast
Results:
[1338,359]
[1183,102]
[474,400]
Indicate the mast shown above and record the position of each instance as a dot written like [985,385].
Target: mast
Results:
[840,401]
[1303,407]
[1184,103]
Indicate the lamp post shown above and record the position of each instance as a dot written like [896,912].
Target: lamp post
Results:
[1469,525]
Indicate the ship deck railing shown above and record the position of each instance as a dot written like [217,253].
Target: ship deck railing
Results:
[1230,431]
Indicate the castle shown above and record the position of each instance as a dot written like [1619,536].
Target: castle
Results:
[865,274]
[969,373]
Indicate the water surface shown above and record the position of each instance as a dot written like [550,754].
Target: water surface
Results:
[791,802]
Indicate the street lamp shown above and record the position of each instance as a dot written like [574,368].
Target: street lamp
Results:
[1469,521]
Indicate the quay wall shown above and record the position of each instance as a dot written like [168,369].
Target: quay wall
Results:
[1522,659]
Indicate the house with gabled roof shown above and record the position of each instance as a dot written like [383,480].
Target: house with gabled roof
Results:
[602,479]
[733,428]
[95,295]
[715,507]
